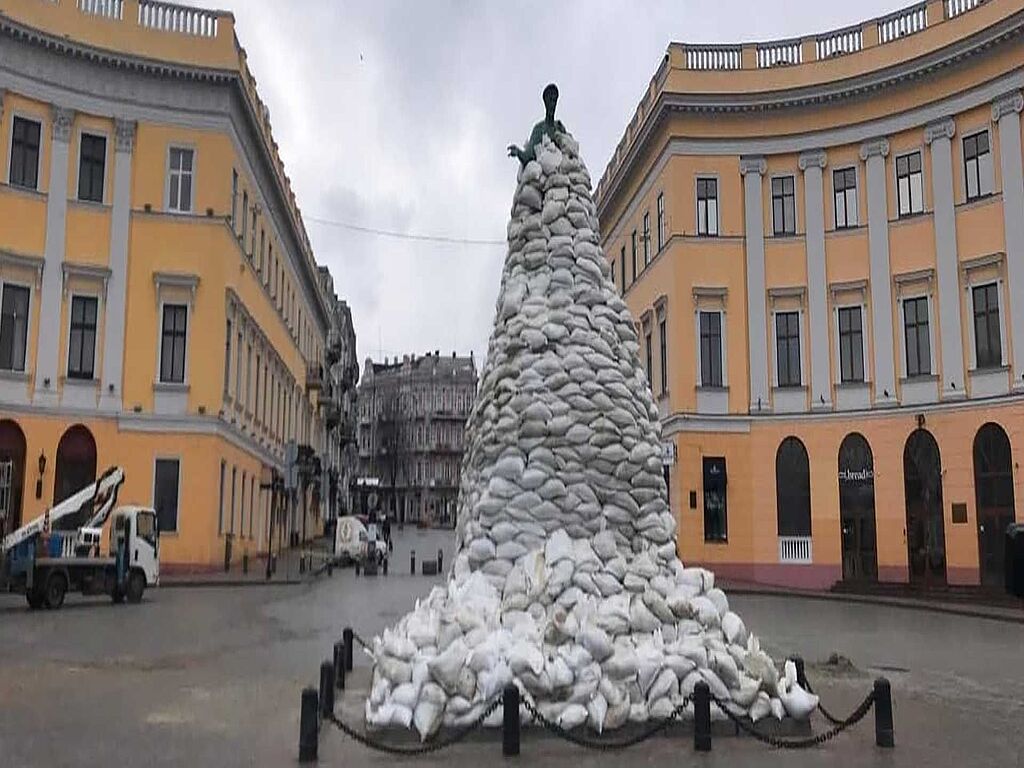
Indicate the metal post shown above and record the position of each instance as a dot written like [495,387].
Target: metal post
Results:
[309,726]
[384,566]
[412,562]
[339,665]
[346,636]
[701,717]
[440,560]
[326,689]
[510,721]
[883,714]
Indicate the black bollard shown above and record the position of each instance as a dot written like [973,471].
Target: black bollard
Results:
[440,561]
[412,562]
[339,665]
[801,673]
[510,721]
[701,717]
[883,714]
[326,689]
[346,636]
[359,567]
[309,727]
[384,566]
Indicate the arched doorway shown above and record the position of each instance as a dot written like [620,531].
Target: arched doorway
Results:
[857,509]
[993,494]
[793,501]
[76,468]
[12,475]
[926,532]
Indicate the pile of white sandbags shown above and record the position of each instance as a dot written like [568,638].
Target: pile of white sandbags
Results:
[566,578]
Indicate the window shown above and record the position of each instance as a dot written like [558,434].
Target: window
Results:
[711,349]
[784,205]
[252,502]
[25,154]
[633,240]
[622,267]
[269,270]
[661,221]
[238,371]
[252,236]
[263,251]
[179,195]
[82,337]
[793,488]
[234,483]
[977,165]
[241,505]
[248,376]
[851,344]
[256,393]
[707,207]
[716,521]
[650,355]
[92,160]
[227,358]
[165,494]
[613,273]
[987,347]
[172,344]
[647,238]
[220,503]
[13,327]
[787,341]
[909,186]
[234,200]
[663,356]
[916,337]
[245,217]
[844,184]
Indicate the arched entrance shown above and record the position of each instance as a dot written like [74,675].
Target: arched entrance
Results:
[993,494]
[926,532]
[857,509]
[76,468]
[793,488]
[12,475]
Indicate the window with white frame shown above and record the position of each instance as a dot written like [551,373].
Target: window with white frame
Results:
[916,336]
[977,165]
[179,181]
[787,344]
[24,167]
[710,349]
[661,221]
[988,351]
[622,267]
[234,200]
[663,354]
[82,337]
[633,245]
[173,337]
[844,185]
[92,160]
[909,184]
[707,207]
[13,327]
[851,345]
[647,238]
[245,217]
[784,205]
[649,354]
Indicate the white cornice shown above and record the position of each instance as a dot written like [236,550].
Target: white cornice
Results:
[940,129]
[1004,105]
[815,158]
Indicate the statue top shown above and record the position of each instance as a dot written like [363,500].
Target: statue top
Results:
[548,126]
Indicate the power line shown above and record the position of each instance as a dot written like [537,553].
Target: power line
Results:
[403,235]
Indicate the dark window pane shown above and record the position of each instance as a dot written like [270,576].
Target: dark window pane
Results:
[13,327]
[716,522]
[172,347]
[165,494]
[82,340]
[25,153]
[793,488]
[91,166]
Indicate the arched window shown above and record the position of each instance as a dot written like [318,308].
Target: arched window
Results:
[993,489]
[793,488]
[76,463]
[12,475]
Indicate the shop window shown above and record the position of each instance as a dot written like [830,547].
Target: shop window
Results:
[716,524]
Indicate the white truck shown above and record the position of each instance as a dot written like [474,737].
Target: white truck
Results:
[353,542]
[45,564]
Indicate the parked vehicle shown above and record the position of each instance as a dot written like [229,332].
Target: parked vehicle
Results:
[353,542]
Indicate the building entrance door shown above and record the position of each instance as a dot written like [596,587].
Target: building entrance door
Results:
[857,509]
[993,493]
[12,475]
[926,533]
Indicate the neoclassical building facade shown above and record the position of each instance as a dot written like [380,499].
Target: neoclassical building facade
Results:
[161,306]
[823,240]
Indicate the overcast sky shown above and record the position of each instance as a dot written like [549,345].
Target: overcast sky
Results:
[395,115]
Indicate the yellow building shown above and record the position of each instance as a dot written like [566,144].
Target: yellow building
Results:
[161,306]
[823,240]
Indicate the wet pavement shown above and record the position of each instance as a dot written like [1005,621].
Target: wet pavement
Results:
[197,677]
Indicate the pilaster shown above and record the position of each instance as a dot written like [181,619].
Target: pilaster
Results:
[1006,114]
[752,169]
[812,163]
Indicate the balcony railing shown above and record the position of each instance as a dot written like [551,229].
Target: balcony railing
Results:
[902,23]
[839,43]
[167,17]
[108,9]
[795,549]
[714,57]
[783,53]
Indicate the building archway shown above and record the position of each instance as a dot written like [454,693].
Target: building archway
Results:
[993,494]
[75,468]
[857,509]
[926,532]
[12,475]
[793,501]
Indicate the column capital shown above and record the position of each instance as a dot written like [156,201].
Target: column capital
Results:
[940,129]
[124,135]
[63,117]
[874,147]
[753,164]
[816,158]
[1004,105]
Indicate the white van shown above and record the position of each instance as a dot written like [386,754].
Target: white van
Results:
[352,541]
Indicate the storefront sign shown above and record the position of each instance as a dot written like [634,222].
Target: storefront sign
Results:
[856,475]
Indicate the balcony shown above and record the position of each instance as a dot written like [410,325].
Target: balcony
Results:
[795,550]
[314,377]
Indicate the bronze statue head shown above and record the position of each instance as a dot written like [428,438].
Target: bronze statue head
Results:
[550,97]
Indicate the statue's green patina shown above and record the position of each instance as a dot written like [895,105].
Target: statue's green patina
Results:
[548,126]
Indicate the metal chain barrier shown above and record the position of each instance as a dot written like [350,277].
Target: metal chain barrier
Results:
[602,744]
[821,707]
[811,741]
[418,749]
[362,642]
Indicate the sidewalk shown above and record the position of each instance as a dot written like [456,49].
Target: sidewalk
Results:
[289,570]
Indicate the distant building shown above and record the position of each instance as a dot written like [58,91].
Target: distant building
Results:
[412,414]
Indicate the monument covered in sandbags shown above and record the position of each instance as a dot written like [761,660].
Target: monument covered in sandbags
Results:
[566,578]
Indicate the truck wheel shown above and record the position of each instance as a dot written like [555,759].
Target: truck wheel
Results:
[34,599]
[55,590]
[117,595]
[136,586]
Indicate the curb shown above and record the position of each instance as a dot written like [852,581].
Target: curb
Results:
[201,583]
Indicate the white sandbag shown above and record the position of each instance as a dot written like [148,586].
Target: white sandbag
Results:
[733,628]
[705,611]
[397,646]
[778,710]
[395,670]
[639,713]
[621,664]
[761,707]
[798,702]
[558,547]
[559,673]
[405,695]
[665,683]
[604,545]
[445,668]
[492,681]
[596,641]
[523,656]
[617,715]
[680,665]
[573,716]
[718,597]
[597,710]
[427,715]
[661,709]
[725,667]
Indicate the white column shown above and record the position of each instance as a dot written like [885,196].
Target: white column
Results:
[812,163]
[47,364]
[874,153]
[1006,113]
[752,169]
[117,288]
[937,136]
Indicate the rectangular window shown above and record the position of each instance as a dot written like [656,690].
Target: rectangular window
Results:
[234,200]
[227,358]
[82,337]
[238,371]
[252,502]
[707,207]
[92,161]
[851,345]
[262,252]
[220,502]
[647,238]
[649,352]
[663,342]
[787,340]
[987,343]
[179,193]
[916,337]
[165,494]
[234,484]
[252,235]
[265,374]
[248,376]
[25,154]
[977,165]
[172,343]
[269,270]
[784,205]
[241,504]
[245,217]
[661,221]
[256,394]
[633,242]
[909,184]
[844,184]
[716,521]
[622,267]
[614,282]
[13,327]
[711,349]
